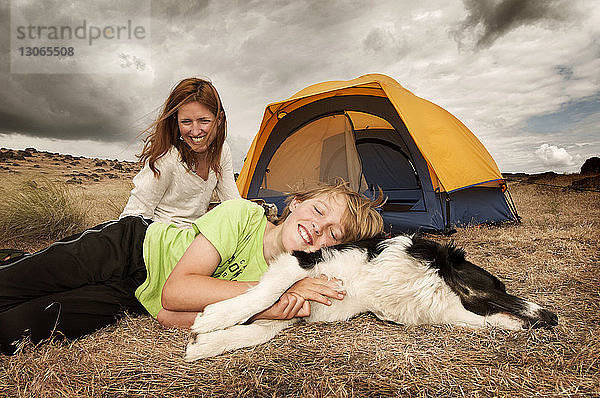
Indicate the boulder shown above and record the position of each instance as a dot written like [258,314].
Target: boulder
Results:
[587,183]
[591,166]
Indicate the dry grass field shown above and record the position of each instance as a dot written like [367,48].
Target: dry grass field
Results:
[551,258]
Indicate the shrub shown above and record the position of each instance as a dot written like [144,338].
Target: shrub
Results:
[34,211]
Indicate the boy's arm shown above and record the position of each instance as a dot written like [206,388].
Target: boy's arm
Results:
[176,319]
[190,286]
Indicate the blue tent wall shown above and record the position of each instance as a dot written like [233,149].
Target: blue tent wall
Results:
[478,205]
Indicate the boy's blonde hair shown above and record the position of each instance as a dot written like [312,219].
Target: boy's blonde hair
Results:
[361,220]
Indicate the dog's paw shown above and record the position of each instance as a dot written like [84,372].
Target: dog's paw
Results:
[197,323]
[202,347]
[211,319]
[202,323]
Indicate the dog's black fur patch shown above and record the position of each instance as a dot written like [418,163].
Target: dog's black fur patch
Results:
[451,263]
[309,260]
[372,246]
[479,291]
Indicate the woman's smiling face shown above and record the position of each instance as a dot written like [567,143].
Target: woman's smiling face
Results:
[195,123]
[314,223]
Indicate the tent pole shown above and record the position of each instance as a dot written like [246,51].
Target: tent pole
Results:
[447,227]
[445,207]
[511,205]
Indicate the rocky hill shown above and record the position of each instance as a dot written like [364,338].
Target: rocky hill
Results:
[70,169]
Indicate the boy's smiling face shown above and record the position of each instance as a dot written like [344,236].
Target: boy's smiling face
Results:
[314,223]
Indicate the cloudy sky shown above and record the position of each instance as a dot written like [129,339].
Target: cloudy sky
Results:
[523,75]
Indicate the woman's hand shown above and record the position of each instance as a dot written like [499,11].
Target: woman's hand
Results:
[294,303]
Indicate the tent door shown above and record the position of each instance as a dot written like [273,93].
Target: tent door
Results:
[388,165]
[321,150]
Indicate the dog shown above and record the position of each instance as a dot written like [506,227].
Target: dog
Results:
[405,279]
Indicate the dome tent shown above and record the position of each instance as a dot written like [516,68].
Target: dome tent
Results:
[374,133]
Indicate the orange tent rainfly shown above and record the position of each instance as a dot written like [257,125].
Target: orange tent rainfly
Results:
[372,132]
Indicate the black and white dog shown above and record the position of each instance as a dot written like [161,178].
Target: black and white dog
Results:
[407,280]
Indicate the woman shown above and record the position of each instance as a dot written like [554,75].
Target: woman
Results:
[185,158]
[84,282]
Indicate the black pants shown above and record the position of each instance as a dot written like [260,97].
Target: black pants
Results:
[77,285]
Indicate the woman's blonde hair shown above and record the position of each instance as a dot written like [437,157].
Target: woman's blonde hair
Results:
[164,132]
[361,220]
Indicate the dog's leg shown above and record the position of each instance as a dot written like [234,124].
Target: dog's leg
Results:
[239,336]
[445,309]
[282,274]
[518,314]
[458,315]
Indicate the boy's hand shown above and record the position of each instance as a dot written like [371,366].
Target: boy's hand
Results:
[294,303]
[318,289]
[288,306]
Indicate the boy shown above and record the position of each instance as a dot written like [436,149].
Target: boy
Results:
[83,282]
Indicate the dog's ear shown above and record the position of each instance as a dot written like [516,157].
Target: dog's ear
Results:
[436,255]
[456,255]
[423,249]
[418,235]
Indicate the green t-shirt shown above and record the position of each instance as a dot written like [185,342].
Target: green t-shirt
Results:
[235,228]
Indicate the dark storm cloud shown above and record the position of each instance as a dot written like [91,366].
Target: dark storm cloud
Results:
[565,71]
[179,17]
[257,52]
[180,11]
[66,107]
[488,20]
[102,107]
[99,106]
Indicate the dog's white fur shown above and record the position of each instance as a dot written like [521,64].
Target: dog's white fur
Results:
[394,286]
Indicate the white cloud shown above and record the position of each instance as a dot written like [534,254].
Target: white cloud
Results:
[553,156]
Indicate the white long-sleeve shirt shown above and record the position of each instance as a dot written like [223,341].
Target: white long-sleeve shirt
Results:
[179,196]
